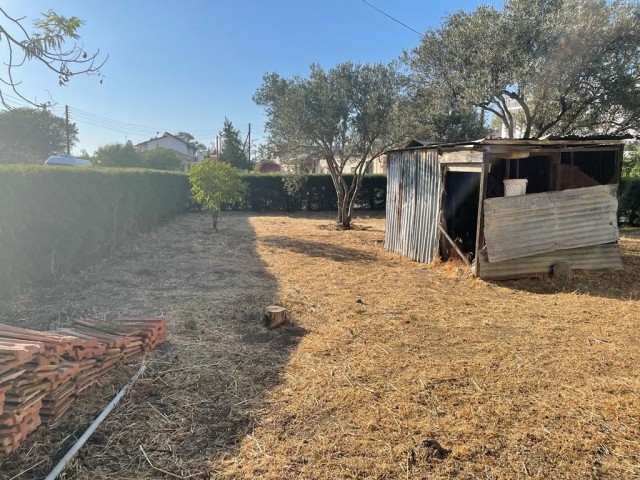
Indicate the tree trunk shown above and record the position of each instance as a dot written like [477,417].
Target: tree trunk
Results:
[214,219]
[344,210]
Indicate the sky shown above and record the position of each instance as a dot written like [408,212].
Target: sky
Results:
[185,66]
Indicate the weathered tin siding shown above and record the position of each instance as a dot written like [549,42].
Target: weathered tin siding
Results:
[413,203]
[594,257]
[526,225]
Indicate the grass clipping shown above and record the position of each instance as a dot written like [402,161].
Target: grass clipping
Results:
[522,379]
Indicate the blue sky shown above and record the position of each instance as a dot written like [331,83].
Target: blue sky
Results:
[186,65]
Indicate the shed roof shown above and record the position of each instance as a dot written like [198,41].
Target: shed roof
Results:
[550,142]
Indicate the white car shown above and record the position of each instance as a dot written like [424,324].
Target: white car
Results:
[67,161]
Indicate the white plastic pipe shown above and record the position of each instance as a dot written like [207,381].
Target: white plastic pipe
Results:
[92,428]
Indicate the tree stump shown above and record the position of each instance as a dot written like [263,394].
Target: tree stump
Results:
[274,316]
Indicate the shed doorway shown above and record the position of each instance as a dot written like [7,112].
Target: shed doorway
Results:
[460,213]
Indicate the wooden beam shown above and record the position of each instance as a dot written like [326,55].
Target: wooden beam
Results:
[455,247]
[482,194]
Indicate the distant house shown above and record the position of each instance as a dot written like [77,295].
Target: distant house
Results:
[377,166]
[185,151]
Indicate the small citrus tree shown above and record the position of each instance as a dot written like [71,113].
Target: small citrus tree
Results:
[214,183]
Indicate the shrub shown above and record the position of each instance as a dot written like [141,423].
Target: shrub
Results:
[214,183]
[629,203]
[161,159]
[56,219]
[268,166]
[118,155]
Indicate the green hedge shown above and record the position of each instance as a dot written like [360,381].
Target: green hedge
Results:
[56,219]
[629,205]
[267,192]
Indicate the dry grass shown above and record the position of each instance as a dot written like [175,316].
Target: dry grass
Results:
[524,379]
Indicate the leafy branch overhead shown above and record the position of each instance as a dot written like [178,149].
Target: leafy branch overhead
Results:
[47,45]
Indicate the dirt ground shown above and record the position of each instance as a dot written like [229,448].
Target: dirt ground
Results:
[526,379]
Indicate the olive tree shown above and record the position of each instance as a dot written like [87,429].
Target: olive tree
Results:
[542,67]
[347,115]
[215,183]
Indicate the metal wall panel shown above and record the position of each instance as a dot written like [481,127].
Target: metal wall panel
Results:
[527,225]
[595,257]
[413,203]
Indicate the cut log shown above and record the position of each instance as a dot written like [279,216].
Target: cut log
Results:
[274,316]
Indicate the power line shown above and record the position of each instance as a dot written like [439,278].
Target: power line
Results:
[135,129]
[99,121]
[132,126]
[114,129]
[392,18]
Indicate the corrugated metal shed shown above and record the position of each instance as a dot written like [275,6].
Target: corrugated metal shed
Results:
[413,204]
[526,225]
[509,237]
[594,257]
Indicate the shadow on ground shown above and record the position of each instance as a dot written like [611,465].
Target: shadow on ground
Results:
[318,249]
[199,398]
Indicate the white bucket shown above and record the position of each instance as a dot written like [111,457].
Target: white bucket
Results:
[515,187]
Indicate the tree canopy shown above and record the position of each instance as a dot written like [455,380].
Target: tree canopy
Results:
[118,155]
[50,43]
[542,67]
[232,150]
[191,140]
[346,115]
[30,135]
[631,162]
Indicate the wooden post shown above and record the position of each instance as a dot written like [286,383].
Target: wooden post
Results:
[274,316]
[482,194]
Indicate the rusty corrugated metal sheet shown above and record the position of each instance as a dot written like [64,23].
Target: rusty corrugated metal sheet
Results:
[526,225]
[413,202]
[594,257]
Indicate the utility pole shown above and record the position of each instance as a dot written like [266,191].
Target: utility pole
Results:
[246,146]
[66,117]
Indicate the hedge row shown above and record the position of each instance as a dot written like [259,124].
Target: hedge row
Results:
[629,205]
[54,220]
[278,192]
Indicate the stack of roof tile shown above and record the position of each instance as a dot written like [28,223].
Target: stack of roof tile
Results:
[42,372]
[29,369]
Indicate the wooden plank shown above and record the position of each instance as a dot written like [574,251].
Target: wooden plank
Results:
[462,156]
[8,376]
